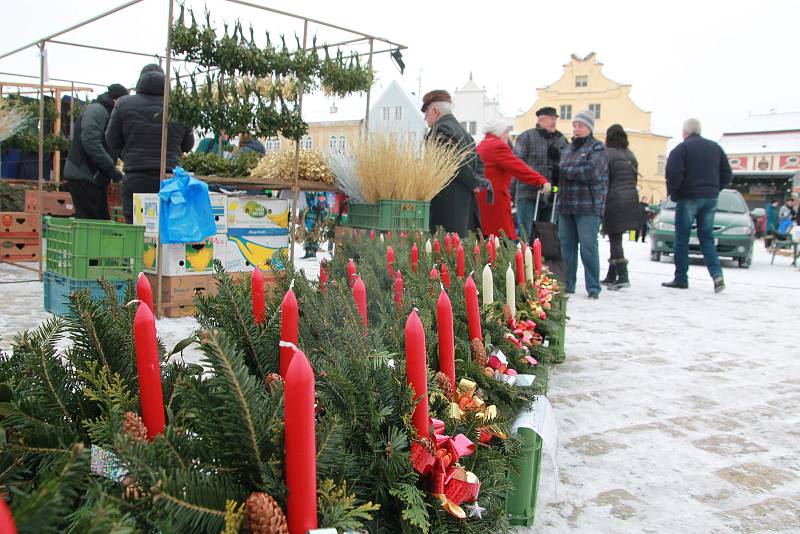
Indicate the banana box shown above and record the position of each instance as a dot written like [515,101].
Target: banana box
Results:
[257,212]
[145,211]
[183,259]
[264,247]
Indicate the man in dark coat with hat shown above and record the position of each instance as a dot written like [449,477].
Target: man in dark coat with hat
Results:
[454,208]
[91,166]
[134,129]
[540,148]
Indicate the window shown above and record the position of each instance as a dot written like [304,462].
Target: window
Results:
[473,127]
[342,144]
[273,144]
[332,142]
[566,112]
[581,81]
[463,124]
[386,113]
[306,142]
[660,166]
[595,110]
[398,113]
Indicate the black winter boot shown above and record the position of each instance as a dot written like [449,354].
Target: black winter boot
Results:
[611,277]
[622,276]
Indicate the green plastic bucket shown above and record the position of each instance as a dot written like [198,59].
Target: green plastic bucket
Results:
[521,499]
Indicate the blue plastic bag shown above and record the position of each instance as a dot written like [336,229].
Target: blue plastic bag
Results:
[185,214]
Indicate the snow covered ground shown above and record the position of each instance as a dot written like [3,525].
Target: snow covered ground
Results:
[679,411]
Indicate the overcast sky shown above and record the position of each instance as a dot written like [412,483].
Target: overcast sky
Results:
[716,60]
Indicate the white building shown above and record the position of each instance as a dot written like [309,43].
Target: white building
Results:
[473,108]
[397,112]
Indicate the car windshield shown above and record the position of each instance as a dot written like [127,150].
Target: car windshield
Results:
[728,202]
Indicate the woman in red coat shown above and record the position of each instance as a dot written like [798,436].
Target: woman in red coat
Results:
[500,166]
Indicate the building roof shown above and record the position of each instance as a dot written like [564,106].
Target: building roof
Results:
[767,122]
[470,86]
[320,108]
[759,143]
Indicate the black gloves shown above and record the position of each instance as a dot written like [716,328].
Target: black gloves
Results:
[553,153]
[483,183]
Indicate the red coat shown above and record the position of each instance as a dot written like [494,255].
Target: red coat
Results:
[500,165]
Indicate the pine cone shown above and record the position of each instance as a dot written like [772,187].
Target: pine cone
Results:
[443,381]
[264,516]
[478,352]
[134,428]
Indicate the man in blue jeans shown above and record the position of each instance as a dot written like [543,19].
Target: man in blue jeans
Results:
[697,170]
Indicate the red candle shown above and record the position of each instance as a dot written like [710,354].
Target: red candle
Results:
[448,243]
[257,290]
[7,525]
[447,350]
[390,261]
[437,247]
[144,292]
[144,327]
[456,240]
[389,235]
[414,258]
[360,298]
[473,310]
[351,271]
[434,276]
[372,235]
[289,319]
[460,262]
[301,446]
[491,249]
[520,263]
[417,372]
[398,290]
[476,251]
[445,276]
[323,276]
[537,256]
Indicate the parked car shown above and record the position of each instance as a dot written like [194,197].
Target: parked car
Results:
[734,230]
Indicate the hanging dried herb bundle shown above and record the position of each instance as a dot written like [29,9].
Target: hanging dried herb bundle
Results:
[12,119]
[392,169]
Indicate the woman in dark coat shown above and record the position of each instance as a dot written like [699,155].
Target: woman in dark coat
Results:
[623,212]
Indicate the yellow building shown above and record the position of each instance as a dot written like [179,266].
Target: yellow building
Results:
[584,86]
[323,136]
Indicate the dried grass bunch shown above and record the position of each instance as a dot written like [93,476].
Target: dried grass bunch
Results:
[390,169]
[12,119]
[280,167]
[347,180]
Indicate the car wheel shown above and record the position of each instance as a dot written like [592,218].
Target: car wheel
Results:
[655,256]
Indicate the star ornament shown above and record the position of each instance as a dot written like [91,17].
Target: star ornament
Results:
[475,510]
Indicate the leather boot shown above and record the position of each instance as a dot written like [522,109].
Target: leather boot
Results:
[622,276]
[611,277]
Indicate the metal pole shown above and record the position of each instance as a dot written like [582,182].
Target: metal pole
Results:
[366,115]
[39,195]
[164,138]
[57,131]
[296,185]
[115,50]
[72,110]
[73,27]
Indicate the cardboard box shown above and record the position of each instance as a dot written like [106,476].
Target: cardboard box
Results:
[145,211]
[181,290]
[258,212]
[55,203]
[248,247]
[19,224]
[19,248]
[185,259]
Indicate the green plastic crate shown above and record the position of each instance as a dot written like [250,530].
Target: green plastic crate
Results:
[521,498]
[390,215]
[84,249]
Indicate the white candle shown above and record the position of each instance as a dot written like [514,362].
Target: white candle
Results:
[488,285]
[428,247]
[528,264]
[511,295]
[381,237]
[496,242]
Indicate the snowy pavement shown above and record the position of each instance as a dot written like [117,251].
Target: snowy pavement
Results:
[678,410]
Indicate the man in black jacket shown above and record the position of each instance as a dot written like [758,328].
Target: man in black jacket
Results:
[454,207]
[697,170]
[91,166]
[135,130]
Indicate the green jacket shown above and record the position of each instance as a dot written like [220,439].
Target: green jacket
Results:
[88,157]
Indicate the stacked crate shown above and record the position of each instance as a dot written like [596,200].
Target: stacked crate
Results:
[20,231]
[78,252]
